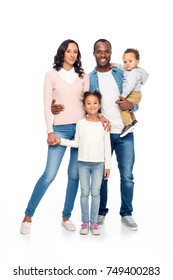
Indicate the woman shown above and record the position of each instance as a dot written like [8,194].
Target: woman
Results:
[66,84]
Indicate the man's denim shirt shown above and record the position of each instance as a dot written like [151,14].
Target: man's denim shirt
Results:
[118,76]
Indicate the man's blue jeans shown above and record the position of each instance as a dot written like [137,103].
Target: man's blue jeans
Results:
[124,150]
[54,158]
[90,176]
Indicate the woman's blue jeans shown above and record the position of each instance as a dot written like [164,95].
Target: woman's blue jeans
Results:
[90,177]
[124,151]
[54,158]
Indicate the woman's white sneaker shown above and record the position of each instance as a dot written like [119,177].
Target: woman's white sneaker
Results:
[25,228]
[68,225]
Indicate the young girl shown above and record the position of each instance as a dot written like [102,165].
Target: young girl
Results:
[94,159]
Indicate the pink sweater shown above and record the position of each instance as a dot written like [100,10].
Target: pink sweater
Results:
[70,95]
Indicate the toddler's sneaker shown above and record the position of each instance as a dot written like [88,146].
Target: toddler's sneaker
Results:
[25,228]
[134,123]
[84,228]
[95,229]
[126,130]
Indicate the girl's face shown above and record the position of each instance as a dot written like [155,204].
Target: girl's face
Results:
[70,56]
[130,61]
[92,105]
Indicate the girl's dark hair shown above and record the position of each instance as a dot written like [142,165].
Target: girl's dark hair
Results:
[95,93]
[59,58]
[135,51]
[102,41]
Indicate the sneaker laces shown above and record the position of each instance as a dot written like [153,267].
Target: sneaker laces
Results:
[84,225]
[130,219]
[95,226]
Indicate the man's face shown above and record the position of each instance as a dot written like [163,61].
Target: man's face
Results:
[102,54]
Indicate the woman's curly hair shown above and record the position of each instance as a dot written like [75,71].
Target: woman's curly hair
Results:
[59,58]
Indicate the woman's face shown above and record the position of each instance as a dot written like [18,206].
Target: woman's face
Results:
[70,56]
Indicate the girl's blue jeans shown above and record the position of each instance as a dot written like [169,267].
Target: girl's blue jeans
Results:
[90,176]
[54,158]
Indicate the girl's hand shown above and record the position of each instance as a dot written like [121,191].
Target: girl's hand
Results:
[52,139]
[106,174]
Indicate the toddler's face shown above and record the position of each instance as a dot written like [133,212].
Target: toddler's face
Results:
[130,61]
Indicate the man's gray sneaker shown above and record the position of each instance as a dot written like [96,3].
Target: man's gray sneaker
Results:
[100,220]
[128,222]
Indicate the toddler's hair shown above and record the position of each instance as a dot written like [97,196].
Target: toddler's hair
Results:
[135,51]
[95,93]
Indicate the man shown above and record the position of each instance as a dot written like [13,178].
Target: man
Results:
[108,80]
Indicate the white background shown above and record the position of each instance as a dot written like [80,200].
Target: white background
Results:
[31,31]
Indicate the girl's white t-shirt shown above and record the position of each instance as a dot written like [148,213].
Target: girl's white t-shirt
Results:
[92,141]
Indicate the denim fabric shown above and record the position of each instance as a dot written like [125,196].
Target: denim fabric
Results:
[118,76]
[90,176]
[54,158]
[124,150]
